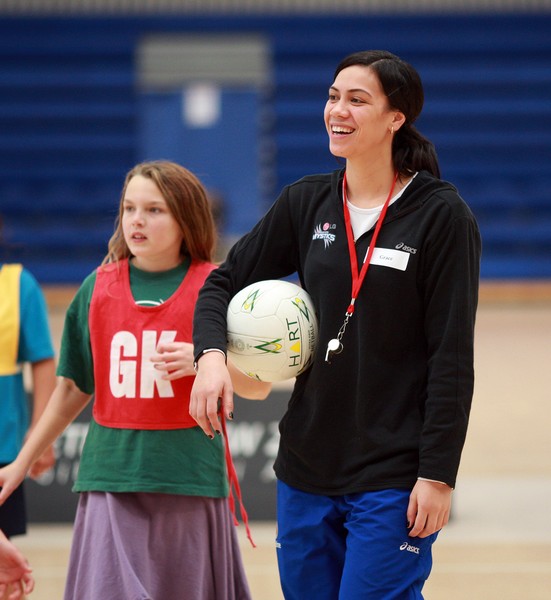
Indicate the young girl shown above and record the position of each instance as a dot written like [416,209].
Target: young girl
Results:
[24,339]
[153,519]
[372,437]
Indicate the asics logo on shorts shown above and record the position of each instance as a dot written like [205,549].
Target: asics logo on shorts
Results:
[409,548]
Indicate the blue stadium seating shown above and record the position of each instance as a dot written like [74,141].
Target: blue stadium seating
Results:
[68,121]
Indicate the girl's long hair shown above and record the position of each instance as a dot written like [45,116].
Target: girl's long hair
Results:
[411,151]
[186,199]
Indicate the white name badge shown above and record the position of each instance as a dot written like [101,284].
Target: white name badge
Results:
[385,257]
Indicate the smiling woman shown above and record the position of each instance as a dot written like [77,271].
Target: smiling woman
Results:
[371,441]
[358,118]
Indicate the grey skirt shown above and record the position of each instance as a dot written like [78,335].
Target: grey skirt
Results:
[146,546]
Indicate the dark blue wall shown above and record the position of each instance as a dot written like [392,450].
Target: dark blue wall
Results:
[69,111]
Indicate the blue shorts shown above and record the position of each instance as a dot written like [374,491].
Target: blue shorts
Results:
[349,547]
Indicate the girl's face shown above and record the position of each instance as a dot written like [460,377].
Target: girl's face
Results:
[357,115]
[151,232]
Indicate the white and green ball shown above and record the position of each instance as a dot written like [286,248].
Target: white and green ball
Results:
[272,330]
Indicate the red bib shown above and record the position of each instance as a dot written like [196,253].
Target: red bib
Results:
[129,392]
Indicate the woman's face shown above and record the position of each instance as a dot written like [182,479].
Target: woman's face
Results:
[357,115]
[151,232]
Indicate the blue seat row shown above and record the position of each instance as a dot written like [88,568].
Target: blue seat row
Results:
[70,120]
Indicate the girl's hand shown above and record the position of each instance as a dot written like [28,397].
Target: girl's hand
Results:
[11,477]
[175,359]
[15,573]
[45,462]
[19,589]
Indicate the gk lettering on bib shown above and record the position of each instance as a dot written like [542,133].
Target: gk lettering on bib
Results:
[128,374]
[130,393]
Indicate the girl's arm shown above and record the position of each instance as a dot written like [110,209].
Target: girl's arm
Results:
[43,384]
[246,387]
[65,405]
[176,360]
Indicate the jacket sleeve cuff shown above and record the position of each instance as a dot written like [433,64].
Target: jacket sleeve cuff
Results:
[433,481]
[196,366]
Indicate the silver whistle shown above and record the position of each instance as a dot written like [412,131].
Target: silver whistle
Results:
[334,346]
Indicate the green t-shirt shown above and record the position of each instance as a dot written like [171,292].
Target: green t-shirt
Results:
[176,461]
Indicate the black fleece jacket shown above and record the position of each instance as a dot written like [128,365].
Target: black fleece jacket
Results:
[394,405]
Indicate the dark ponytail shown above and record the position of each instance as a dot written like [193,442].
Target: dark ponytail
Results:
[411,152]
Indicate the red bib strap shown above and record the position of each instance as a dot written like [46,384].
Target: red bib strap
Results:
[234,482]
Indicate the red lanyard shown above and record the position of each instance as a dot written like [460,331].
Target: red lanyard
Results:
[357,280]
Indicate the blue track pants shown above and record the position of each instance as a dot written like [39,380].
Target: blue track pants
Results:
[350,547]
